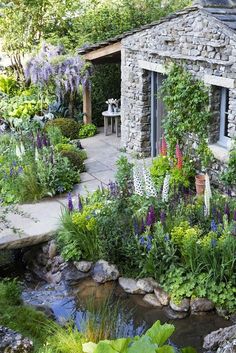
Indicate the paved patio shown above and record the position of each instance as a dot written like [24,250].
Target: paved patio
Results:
[38,222]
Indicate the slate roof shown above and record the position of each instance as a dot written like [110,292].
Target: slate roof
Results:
[223,10]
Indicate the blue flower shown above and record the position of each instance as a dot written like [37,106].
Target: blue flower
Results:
[142,241]
[213,226]
[166,237]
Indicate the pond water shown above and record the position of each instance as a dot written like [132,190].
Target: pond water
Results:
[134,315]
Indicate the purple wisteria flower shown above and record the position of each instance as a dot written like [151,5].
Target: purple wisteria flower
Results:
[70,202]
[151,218]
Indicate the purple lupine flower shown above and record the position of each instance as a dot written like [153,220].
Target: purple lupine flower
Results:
[227,211]
[44,140]
[70,202]
[213,226]
[166,237]
[80,205]
[151,218]
[142,229]
[142,241]
[39,141]
[213,243]
[163,218]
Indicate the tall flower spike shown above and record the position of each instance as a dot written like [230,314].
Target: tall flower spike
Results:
[80,205]
[36,155]
[22,148]
[151,217]
[179,157]
[149,185]
[70,203]
[207,195]
[163,148]
[166,186]
[138,185]
[18,152]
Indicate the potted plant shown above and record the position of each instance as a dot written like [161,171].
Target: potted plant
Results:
[204,163]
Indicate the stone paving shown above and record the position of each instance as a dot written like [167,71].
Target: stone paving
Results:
[39,221]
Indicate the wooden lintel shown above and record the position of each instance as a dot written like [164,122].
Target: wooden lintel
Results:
[101,52]
[87,106]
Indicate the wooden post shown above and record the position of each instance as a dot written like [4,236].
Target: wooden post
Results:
[87,105]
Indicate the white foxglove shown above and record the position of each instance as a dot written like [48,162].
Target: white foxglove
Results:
[149,185]
[18,152]
[138,184]
[22,149]
[166,186]
[207,195]
[36,156]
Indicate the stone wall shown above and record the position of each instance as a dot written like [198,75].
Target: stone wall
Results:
[195,39]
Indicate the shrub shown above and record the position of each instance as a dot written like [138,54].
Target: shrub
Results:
[65,147]
[69,127]
[76,159]
[88,130]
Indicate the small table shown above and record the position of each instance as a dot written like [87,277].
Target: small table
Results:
[115,117]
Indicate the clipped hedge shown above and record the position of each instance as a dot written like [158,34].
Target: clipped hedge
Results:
[76,159]
[69,127]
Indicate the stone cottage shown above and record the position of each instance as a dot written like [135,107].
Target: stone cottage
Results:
[203,39]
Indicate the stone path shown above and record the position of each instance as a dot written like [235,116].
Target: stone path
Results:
[38,222]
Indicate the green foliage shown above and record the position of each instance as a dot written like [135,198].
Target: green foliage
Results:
[15,315]
[229,176]
[153,341]
[65,147]
[69,127]
[187,103]
[75,158]
[124,174]
[8,85]
[87,130]
[55,136]
[78,235]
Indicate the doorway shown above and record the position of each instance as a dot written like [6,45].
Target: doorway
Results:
[157,112]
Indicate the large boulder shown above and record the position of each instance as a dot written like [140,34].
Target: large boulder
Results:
[152,300]
[182,306]
[13,342]
[147,284]
[71,275]
[130,286]
[104,272]
[162,296]
[201,305]
[222,340]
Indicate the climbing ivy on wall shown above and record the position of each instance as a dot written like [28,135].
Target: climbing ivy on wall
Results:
[187,103]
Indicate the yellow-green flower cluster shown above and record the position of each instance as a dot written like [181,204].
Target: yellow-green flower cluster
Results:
[184,233]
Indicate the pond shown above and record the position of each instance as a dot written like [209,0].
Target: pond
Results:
[134,315]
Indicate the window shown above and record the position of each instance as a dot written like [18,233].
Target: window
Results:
[224,118]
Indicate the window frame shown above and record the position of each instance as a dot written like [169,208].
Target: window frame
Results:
[224,140]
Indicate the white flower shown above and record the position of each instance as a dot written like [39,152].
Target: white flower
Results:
[18,152]
[207,195]
[22,149]
[36,156]
[149,185]
[166,186]
[138,183]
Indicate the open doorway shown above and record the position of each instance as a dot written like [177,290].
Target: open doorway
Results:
[157,112]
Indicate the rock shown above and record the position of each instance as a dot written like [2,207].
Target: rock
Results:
[175,315]
[52,250]
[130,285]
[233,318]
[227,347]
[83,266]
[54,277]
[182,306]
[162,296]
[152,300]
[71,275]
[201,305]
[147,284]
[13,342]
[104,272]
[217,339]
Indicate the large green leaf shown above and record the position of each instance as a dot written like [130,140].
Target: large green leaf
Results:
[166,349]
[143,345]
[188,350]
[89,347]
[160,333]
[120,345]
[104,347]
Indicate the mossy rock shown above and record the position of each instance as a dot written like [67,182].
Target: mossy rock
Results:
[69,127]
